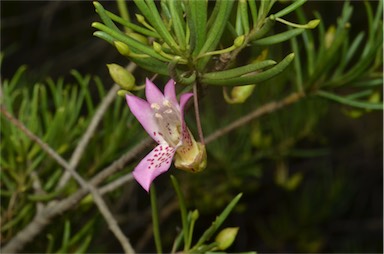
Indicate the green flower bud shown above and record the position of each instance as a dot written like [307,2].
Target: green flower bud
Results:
[122,48]
[313,23]
[239,41]
[157,47]
[121,76]
[122,92]
[226,237]
[140,18]
[195,215]
[240,94]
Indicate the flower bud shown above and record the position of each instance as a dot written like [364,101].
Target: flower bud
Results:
[240,94]
[121,76]
[157,47]
[122,48]
[140,18]
[313,23]
[195,215]
[122,93]
[226,237]
[239,41]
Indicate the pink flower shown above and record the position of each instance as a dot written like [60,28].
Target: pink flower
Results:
[163,119]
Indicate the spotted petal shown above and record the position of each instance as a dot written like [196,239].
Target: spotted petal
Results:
[144,114]
[155,163]
[183,101]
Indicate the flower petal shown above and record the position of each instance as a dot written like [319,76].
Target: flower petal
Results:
[170,92]
[144,114]
[152,93]
[184,98]
[155,163]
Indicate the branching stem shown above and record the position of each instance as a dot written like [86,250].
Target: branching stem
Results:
[56,208]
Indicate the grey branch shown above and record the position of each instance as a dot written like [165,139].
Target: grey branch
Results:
[77,154]
[58,207]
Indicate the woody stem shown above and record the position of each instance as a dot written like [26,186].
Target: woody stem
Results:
[197,113]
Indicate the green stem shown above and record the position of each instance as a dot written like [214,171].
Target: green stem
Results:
[183,211]
[155,220]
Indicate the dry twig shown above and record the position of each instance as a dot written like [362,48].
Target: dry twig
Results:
[77,154]
[85,185]
[56,208]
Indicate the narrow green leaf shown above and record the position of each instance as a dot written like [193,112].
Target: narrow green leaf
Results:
[327,60]
[213,16]
[104,17]
[141,48]
[51,243]
[66,235]
[153,65]
[238,23]
[197,11]
[100,87]
[277,38]
[350,102]
[361,66]
[296,4]
[244,15]
[132,26]
[19,216]
[177,242]
[359,95]
[368,83]
[84,245]
[257,34]
[183,209]
[85,231]
[17,76]
[52,180]
[123,10]
[218,25]
[354,46]
[217,223]
[45,197]
[104,36]
[216,31]
[253,9]
[297,64]
[237,72]
[253,79]
[178,22]
[149,10]
[165,12]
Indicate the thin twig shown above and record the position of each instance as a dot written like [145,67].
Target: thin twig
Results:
[266,108]
[85,185]
[56,208]
[77,154]
[34,138]
[116,184]
[197,114]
